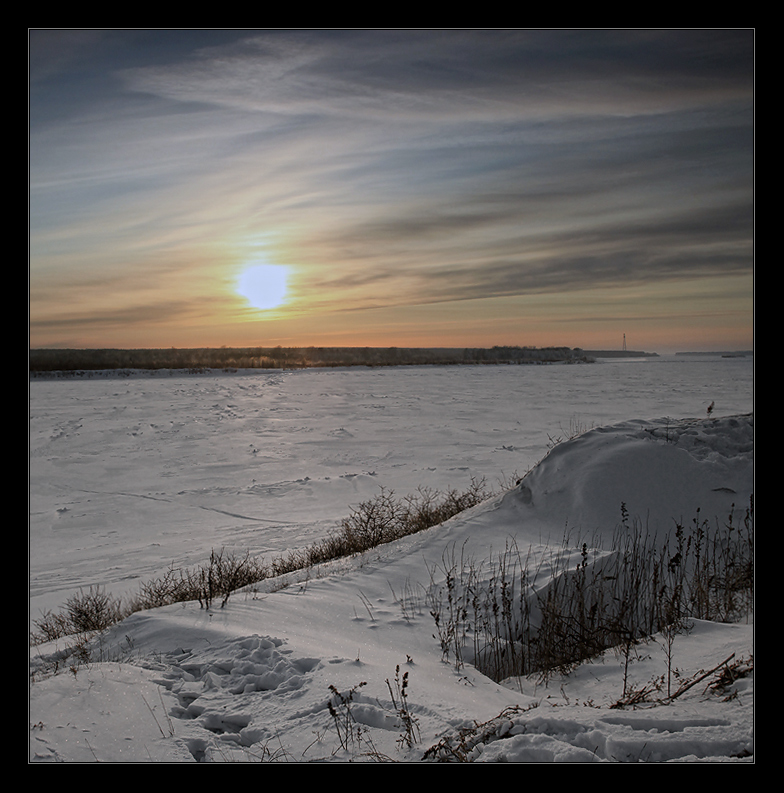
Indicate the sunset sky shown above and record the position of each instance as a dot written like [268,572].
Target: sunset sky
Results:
[414,188]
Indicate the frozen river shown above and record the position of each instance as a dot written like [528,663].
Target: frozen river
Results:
[131,475]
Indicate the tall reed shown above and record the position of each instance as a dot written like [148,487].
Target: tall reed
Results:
[550,609]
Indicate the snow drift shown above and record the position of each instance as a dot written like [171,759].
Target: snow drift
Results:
[344,663]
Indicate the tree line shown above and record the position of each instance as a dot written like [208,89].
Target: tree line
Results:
[227,358]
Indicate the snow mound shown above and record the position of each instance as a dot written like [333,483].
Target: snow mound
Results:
[660,471]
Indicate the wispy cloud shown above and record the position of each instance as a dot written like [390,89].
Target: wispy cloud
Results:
[388,167]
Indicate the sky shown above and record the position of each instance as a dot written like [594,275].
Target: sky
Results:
[391,187]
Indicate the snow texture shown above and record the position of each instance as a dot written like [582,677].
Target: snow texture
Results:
[271,676]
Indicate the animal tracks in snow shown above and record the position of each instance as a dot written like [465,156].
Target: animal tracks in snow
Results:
[212,687]
[534,736]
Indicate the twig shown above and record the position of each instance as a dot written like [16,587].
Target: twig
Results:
[686,686]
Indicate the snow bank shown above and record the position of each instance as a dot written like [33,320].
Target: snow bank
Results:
[661,471]
[279,673]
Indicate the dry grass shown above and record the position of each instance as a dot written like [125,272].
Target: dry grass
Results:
[516,615]
[374,522]
[540,613]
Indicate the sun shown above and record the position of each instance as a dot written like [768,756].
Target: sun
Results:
[264,286]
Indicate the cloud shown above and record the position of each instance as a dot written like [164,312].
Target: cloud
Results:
[391,167]
[458,74]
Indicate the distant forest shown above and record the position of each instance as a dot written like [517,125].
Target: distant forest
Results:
[233,358]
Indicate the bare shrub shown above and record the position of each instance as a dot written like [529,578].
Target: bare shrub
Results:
[386,518]
[374,522]
[223,574]
[93,610]
[172,587]
[50,626]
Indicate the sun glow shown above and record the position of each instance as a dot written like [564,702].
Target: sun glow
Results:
[264,286]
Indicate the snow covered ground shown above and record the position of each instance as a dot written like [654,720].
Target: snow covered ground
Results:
[128,476]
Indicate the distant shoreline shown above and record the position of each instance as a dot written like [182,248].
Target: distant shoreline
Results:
[722,353]
[198,360]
